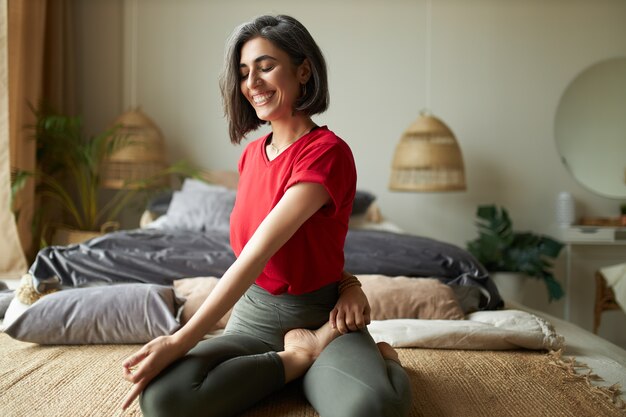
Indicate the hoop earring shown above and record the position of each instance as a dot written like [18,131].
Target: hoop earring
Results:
[303,90]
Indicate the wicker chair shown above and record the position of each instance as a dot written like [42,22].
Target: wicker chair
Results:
[605,300]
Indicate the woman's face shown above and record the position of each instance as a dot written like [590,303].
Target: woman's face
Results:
[269,80]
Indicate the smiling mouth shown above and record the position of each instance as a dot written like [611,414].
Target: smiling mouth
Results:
[261,99]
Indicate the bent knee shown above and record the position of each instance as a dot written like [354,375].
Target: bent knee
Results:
[165,399]
[384,403]
[159,400]
[364,402]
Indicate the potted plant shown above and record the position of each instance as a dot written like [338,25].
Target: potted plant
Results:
[68,174]
[500,249]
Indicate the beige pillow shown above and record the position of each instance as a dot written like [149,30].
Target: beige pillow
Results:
[196,290]
[404,297]
[389,298]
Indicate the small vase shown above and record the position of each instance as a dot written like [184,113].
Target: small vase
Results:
[510,285]
[565,209]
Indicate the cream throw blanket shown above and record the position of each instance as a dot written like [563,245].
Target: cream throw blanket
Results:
[482,330]
[493,330]
[616,279]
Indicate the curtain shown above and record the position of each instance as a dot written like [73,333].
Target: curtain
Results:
[12,261]
[41,66]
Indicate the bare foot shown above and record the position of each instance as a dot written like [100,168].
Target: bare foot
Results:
[388,352]
[310,342]
[302,347]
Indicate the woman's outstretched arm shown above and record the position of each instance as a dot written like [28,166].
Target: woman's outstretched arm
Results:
[298,203]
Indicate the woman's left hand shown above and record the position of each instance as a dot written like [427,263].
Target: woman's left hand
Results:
[352,311]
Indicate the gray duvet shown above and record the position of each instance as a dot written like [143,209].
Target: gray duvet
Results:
[157,256]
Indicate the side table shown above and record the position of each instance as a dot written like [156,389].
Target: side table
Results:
[586,236]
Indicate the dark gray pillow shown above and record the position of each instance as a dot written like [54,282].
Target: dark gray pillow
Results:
[469,297]
[362,201]
[123,313]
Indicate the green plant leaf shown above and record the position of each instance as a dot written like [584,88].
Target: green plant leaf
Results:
[499,248]
[555,290]
[69,166]
[550,247]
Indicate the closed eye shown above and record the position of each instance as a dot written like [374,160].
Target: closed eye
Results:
[262,69]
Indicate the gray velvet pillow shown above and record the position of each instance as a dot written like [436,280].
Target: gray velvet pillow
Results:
[123,313]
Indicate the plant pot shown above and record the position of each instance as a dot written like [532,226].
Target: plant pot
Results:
[64,236]
[510,285]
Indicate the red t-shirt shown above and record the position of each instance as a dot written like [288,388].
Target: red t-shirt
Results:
[313,256]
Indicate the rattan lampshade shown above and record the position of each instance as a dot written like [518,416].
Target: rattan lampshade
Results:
[428,158]
[141,159]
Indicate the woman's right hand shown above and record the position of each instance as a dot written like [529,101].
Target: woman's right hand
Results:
[141,367]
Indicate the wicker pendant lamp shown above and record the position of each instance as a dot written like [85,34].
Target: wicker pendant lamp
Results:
[428,158]
[134,165]
[141,159]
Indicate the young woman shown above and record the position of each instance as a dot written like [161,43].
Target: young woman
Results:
[288,229]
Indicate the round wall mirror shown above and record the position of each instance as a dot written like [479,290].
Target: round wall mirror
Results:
[590,128]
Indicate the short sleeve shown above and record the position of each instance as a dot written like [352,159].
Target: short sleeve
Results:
[242,159]
[331,165]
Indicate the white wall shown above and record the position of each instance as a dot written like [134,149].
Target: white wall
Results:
[498,69]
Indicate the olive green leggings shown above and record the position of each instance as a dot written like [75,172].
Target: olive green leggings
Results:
[226,375]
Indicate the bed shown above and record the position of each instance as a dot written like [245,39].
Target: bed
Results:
[466,351]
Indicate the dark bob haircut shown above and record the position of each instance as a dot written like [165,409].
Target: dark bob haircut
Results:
[291,36]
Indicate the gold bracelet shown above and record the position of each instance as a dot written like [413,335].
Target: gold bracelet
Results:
[344,288]
[348,281]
